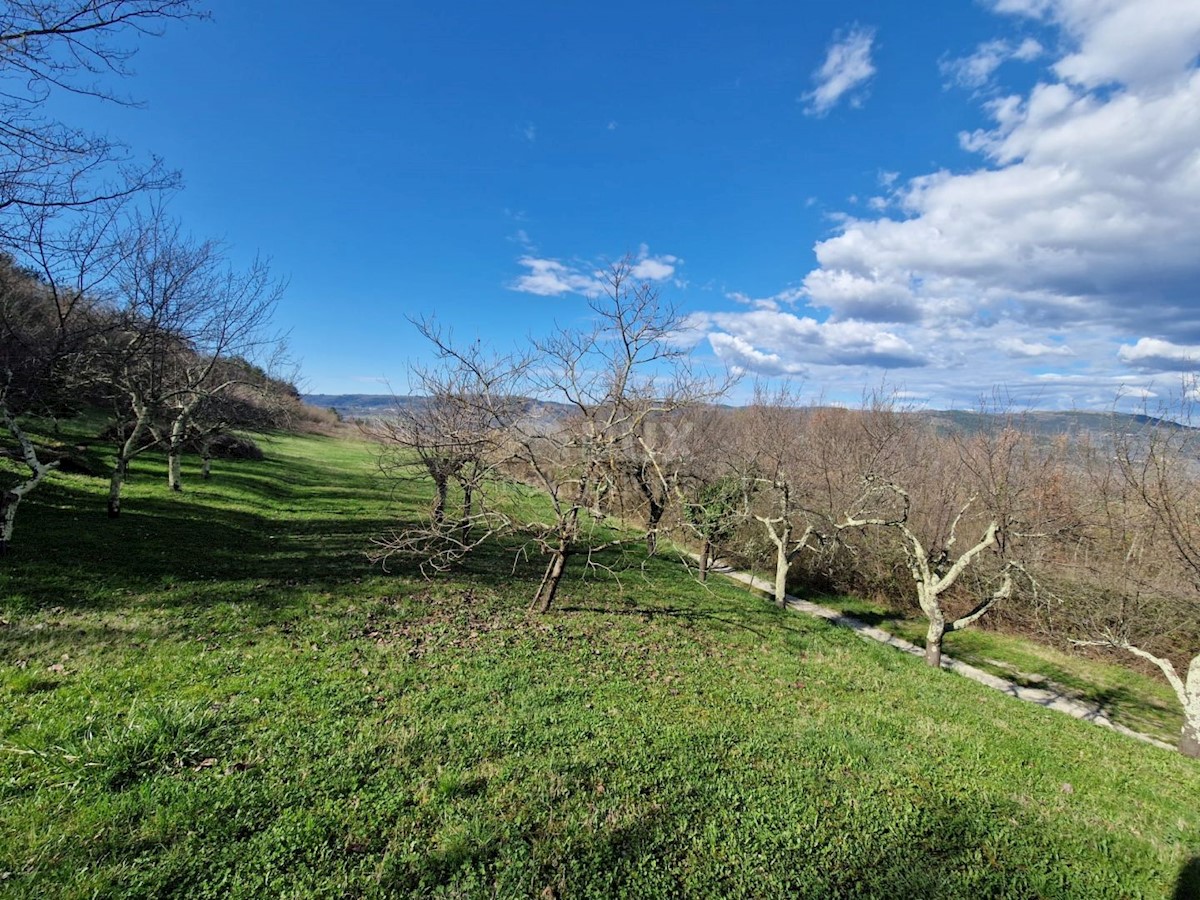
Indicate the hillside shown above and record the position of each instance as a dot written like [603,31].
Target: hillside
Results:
[217,696]
[1043,423]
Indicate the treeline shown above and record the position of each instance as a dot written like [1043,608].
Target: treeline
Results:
[105,301]
[1085,539]
[162,340]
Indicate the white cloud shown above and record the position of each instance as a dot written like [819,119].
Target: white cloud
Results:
[1022,349]
[847,68]
[1142,44]
[653,268]
[553,278]
[529,132]
[1063,265]
[789,343]
[976,70]
[1153,354]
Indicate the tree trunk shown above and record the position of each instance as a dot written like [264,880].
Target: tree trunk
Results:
[10,499]
[206,467]
[933,642]
[8,518]
[652,519]
[782,566]
[544,597]
[439,505]
[175,455]
[114,487]
[1189,738]
[705,553]
[174,468]
[468,505]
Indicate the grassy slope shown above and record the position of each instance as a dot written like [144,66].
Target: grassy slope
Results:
[1143,702]
[246,708]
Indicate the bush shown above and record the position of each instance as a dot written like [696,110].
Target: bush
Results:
[233,446]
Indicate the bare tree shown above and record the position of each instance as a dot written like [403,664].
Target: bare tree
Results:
[773,438]
[183,313]
[569,410]
[975,485]
[51,312]
[615,377]
[1148,515]
[50,47]
[454,433]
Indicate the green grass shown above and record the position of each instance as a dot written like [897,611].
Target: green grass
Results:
[217,696]
[1137,700]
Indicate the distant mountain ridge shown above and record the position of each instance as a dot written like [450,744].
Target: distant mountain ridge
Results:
[1044,423]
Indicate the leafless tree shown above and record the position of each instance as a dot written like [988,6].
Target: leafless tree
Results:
[454,432]
[615,377]
[54,47]
[1144,506]
[569,412]
[974,486]
[183,313]
[773,438]
[51,313]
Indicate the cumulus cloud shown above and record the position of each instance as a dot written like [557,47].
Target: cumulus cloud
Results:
[554,278]
[653,268]
[1157,355]
[789,343]
[847,68]
[1140,44]
[1078,221]
[551,278]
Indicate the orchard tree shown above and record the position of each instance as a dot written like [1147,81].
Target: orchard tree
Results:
[974,489]
[453,432]
[568,412]
[1151,609]
[773,438]
[51,48]
[51,316]
[183,313]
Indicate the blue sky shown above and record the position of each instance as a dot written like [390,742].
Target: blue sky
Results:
[950,195]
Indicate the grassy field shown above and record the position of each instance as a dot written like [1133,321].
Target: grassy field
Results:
[217,696]
[1137,700]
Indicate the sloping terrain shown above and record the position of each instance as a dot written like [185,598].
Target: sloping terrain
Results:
[216,695]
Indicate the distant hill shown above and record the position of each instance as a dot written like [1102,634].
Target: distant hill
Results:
[1044,423]
[368,406]
[357,406]
[1049,423]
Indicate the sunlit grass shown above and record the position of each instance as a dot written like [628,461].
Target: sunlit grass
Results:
[218,696]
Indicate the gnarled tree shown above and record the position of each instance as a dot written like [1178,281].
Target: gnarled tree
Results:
[976,485]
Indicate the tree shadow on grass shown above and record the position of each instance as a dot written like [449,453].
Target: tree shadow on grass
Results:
[80,557]
[1187,886]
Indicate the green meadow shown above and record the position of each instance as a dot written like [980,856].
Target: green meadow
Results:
[217,695]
